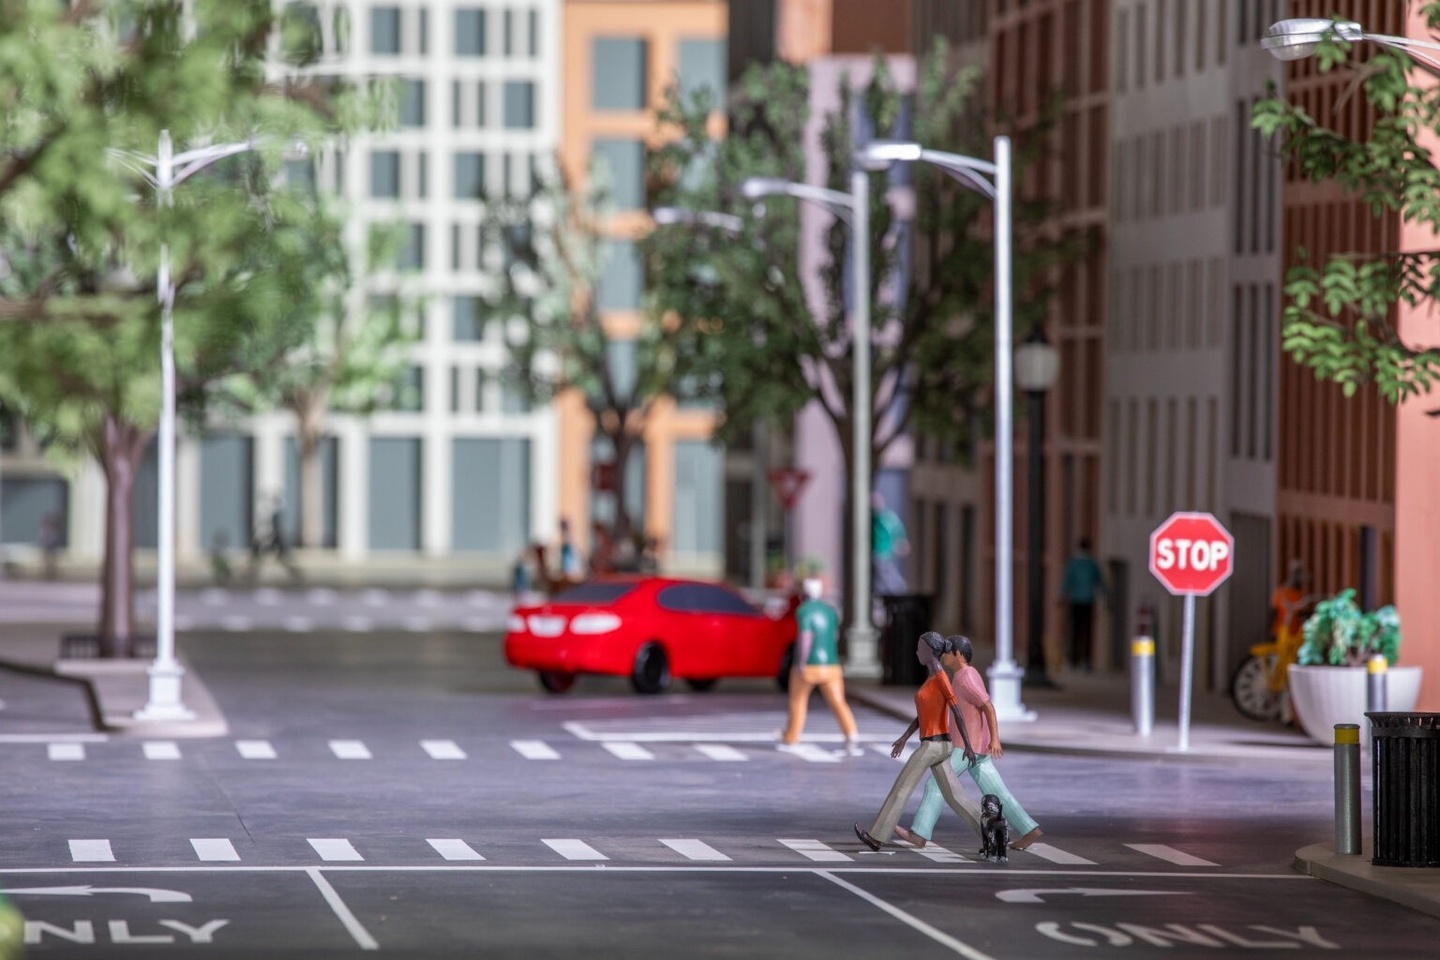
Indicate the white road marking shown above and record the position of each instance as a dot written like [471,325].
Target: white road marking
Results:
[298,624]
[428,598]
[161,750]
[695,849]
[629,751]
[357,929]
[335,849]
[66,751]
[574,849]
[944,939]
[1055,855]
[480,624]
[235,623]
[939,854]
[416,624]
[720,751]
[320,596]
[478,598]
[534,750]
[443,749]
[53,738]
[1170,855]
[255,749]
[375,598]
[815,850]
[91,851]
[350,750]
[455,850]
[357,624]
[811,753]
[215,596]
[268,597]
[215,848]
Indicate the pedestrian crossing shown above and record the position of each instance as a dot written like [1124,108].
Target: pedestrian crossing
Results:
[510,851]
[240,609]
[438,749]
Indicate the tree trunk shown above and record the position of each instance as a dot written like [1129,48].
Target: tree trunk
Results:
[120,448]
[312,487]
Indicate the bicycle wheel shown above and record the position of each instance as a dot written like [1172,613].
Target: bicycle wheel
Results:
[1250,689]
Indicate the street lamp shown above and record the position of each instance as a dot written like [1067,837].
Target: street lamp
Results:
[1299,38]
[1037,366]
[992,180]
[169,170]
[854,209]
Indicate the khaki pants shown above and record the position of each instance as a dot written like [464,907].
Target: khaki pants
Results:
[932,757]
[831,681]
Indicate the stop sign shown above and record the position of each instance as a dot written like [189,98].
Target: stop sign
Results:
[1191,553]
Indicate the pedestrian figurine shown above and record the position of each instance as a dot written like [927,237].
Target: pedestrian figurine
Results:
[979,716]
[272,539]
[50,544]
[1082,582]
[220,556]
[817,664]
[935,704]
[570,566]
[887,543]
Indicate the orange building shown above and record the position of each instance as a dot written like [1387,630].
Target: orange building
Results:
[619,58]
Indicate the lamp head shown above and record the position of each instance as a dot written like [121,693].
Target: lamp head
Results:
[753,188]
[880,154]
[668,216]
[1298,38]
[1036,363]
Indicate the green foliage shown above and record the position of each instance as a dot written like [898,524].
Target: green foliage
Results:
[1340,316]
[1337,633]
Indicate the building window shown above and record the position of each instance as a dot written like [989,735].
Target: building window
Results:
[624,164]
[699,508]
[385,30]
[454,389]
[620,75]
[534,34]
[620,283]
[424,31]
[491,487]
[469,175]
[509,31]
[385,174]
[395,486]
[470,32]
[513,398]
[412,251]
[702,64]
[412,104]
[482,382]
[408,394]
[519,105]
[467,318]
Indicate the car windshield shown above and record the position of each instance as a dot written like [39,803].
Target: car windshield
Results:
[594,591]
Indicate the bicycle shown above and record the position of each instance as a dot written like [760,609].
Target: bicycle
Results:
[1260,683]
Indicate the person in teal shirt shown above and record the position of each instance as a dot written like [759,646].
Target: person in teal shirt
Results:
[1082,582]
[817,664]
[887,543]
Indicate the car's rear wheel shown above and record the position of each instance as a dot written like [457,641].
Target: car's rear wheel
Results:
[556,681]
[787,663]
[703,684]
[651,672]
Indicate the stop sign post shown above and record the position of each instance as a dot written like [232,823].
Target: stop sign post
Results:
[1191,554]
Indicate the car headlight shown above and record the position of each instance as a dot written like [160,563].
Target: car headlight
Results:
[515,623]
[594,623]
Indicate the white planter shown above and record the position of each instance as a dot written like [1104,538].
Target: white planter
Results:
[1325,696]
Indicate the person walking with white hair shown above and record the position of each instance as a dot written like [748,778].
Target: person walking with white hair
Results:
[817,664]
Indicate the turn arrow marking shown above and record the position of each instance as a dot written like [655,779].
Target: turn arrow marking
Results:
[1038,896]
[155,894]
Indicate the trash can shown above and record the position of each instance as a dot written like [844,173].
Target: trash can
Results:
[907,615]
[1405,748]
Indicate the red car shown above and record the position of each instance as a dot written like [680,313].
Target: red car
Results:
[649,629]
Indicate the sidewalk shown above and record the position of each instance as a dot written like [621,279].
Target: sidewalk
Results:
[1090,715]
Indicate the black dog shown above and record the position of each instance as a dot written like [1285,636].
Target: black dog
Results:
[994,831]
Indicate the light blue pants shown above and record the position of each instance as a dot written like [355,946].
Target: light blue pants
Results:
[987,778]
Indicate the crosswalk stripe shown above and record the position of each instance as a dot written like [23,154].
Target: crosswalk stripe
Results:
[1055,855]
[215,849]
[628,751]
[375,598]
[299,624]
[215,596]
[815,850]
[428,598]
[455,850]
[1170,855]
[534,750]
[812,753]
[255,749]
[416,624]
[91,851]
[235,623]
[161,750]
[65,751]
[357,624]
[443,749]
[695,849]
[350,750]
[574,849]
[268,597]
[939,854]
[320,596]
[335,849]
[720,751]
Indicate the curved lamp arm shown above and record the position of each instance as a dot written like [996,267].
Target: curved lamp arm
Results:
[1300,37]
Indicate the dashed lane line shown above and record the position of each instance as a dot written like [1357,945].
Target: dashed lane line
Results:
[161,750]
[335,849]
[255,749]
[628,751]
[720,751]
[534,750]
[455,850]
[1170,855]
[350,750]
[91,851]
[695,849]
[815,850]
[215,849]
[572,849]
[65,751]
[1055,855]
[443,749]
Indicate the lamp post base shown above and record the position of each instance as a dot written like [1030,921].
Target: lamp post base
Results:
[1005,692]
[864,659]
[164,703]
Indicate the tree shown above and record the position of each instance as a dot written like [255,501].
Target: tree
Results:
[741,319]
[83,235]
[1339,319]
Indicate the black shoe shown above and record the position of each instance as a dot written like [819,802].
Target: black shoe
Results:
[865,838]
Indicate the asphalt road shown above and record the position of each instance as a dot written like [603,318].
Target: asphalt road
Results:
[409,794]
